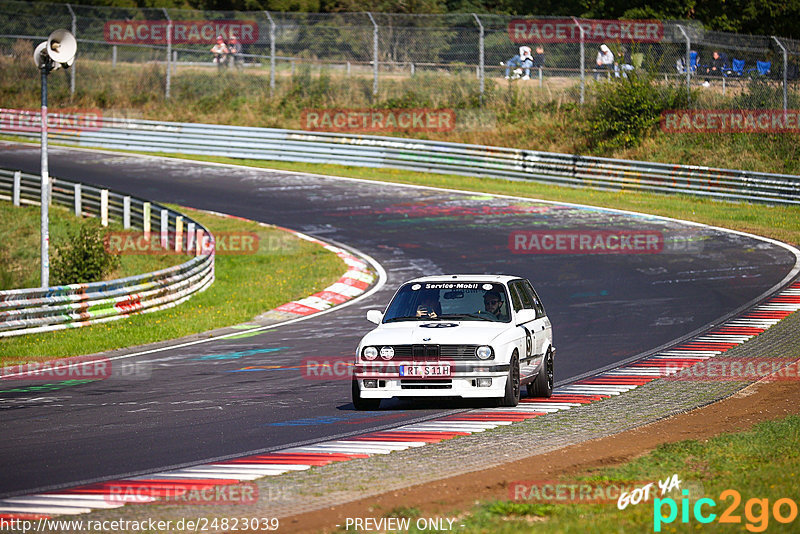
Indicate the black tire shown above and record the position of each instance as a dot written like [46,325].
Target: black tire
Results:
[512,395]
[361,403]
[542,385]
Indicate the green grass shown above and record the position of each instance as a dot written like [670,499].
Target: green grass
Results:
[763,463]
[20,256]
[777,222]
[285,268]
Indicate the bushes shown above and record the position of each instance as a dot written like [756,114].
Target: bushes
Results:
[83,256]
[624,110]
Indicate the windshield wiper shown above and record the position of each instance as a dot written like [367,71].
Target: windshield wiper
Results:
[408,318]
[463,315]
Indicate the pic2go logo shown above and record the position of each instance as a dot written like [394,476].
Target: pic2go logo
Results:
[756,511]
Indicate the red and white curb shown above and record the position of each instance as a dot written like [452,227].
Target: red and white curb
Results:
[150,488]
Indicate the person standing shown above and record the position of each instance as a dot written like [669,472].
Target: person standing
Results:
[605,60]
[220,51]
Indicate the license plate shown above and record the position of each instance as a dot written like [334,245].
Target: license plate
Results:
[424,371]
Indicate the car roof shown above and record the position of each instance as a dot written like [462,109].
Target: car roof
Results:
[497,278]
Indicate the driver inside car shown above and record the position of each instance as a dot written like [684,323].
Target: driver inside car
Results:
[429,305]
[493,304]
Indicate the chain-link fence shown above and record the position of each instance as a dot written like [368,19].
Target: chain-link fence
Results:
[129,56]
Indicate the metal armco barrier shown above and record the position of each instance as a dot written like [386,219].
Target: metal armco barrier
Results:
[25,311]
[422,155]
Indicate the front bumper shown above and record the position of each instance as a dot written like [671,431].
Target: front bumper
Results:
[386,382]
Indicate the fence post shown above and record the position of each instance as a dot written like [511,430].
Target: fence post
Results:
[164,228]
[190,237]
[75,33]
[104,207]
[78,207]
[480,55]
[178,233]
[146,220]
[17,184]
[583,59]
[688,64]
[114,56]
[374,55]
[169,51]
[271,53]
[785,75]
[126,212]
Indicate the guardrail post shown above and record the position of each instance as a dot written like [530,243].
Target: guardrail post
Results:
[272,53]
[104,207]
[374,55]
[17,184]
[78,207]
[146,220]
[178,233]
[190,237]
[164,229]
[126,212]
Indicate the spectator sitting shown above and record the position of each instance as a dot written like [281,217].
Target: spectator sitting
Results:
[234,51]
[526,58]
[605,60]
[512,63]
[538,58]
[719,63]
[220,51]
[626,65]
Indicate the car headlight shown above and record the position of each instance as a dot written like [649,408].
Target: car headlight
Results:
[369,353]
[484,352]
[387,353]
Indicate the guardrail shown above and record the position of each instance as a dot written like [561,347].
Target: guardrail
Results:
[419,155]
[25,311]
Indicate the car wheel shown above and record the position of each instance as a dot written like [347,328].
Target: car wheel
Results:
[542,385]
[511,397]
[361,403]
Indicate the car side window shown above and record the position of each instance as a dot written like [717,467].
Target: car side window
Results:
[515,300]
[527,300]
[537,302]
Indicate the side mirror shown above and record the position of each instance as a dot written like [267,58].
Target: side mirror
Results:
[525,316]
[374,316]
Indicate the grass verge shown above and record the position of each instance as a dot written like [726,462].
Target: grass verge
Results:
[20,257]
[758,465]
[284,268]
[776,222]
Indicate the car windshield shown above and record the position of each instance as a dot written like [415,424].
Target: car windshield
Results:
[463,301]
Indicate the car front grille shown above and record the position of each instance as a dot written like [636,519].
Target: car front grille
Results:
[426,353]
[426,384]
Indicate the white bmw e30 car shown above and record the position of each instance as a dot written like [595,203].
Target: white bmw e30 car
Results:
[469,336]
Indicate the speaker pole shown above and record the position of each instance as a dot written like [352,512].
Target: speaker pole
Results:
[45,227]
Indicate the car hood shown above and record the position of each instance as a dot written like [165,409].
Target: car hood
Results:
[436,333]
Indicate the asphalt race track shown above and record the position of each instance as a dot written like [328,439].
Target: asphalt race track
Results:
[231,397]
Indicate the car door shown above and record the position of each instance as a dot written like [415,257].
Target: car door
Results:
[542,326]
[518,301]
